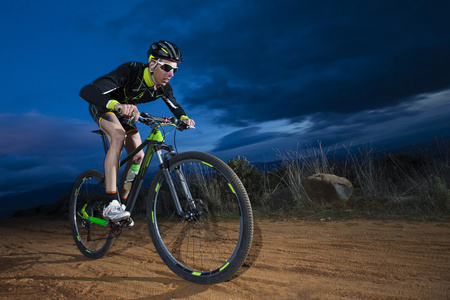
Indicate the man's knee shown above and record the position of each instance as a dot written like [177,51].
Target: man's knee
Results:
[117,138]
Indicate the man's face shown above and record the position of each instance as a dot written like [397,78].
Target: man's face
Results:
[163,71]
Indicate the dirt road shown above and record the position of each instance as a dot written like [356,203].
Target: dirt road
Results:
[356,259]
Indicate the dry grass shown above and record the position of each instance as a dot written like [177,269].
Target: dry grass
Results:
[387,185]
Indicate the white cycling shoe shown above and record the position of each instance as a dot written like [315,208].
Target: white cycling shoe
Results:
[130,223]
[115,212]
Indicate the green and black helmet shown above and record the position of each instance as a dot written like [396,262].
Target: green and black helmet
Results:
[164,50]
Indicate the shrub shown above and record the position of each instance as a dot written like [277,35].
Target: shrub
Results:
[251,178]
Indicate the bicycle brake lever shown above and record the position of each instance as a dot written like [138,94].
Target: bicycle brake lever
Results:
[181,126]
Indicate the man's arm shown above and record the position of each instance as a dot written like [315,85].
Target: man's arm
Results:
[97,92]
[172,103]
[94,95]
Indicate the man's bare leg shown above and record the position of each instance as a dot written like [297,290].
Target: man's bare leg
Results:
[133,140]
[111,126]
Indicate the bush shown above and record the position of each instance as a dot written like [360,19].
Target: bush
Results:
[251,178]
[399,185]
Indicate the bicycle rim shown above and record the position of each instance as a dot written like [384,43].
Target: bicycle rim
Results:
[212,244]
[88,195]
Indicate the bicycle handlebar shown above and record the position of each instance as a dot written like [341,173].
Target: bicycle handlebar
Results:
[148,120]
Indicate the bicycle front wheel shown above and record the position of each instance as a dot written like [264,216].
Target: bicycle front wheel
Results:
[209,242]
[86,203]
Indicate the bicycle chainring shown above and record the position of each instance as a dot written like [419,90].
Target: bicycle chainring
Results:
[116,228]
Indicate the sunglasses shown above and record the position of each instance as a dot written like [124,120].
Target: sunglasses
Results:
[166,67]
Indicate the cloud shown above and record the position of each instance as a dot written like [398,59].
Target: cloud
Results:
[36,132]
[245,137]
[334,58]
[288,59]
[16,162]
[40,150]
[415,120]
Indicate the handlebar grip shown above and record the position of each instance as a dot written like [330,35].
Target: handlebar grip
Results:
[120,112]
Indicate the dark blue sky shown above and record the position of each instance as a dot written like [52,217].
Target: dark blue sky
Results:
[258,77]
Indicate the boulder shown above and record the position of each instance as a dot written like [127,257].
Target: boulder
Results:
[328,188]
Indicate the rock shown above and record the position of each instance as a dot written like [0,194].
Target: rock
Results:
[328,188]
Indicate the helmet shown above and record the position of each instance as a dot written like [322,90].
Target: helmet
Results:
[165,50]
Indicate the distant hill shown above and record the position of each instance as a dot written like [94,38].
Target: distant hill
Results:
[11,203]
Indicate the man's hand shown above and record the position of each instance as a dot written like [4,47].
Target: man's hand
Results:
[190,122]
[186,123]
[127,110]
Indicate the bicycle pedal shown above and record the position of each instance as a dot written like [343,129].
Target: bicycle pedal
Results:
[128,223]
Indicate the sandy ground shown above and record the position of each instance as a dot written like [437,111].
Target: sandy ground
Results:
[357,259]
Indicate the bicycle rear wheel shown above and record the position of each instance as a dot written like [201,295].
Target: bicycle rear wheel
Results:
[86,201]
[211,241]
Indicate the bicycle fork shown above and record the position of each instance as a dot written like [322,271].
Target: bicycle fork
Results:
[183,185]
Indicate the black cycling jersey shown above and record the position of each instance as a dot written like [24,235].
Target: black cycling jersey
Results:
[127,85]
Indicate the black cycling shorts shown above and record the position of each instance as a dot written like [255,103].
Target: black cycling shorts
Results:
[97,113]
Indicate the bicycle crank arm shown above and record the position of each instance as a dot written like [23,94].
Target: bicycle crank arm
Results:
[95,220]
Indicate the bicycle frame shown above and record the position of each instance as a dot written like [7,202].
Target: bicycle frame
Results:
[155,144]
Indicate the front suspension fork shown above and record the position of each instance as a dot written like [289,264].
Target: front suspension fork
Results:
[183,185]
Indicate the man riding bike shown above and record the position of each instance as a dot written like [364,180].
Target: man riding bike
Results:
[113,99]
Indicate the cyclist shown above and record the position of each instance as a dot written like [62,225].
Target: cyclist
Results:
[113,99]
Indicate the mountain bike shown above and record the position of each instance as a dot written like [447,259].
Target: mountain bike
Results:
[198,212]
